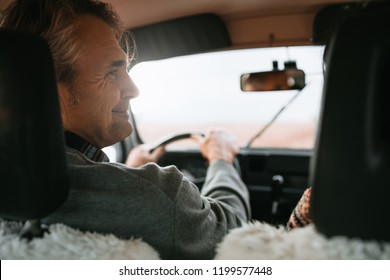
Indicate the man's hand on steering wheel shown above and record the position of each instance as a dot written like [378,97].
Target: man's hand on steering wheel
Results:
[142,154]
[217,145]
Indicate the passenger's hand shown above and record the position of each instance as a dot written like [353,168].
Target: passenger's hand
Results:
[218,145]
[141,155]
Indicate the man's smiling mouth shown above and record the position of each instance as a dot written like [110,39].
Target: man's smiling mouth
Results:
[122,113]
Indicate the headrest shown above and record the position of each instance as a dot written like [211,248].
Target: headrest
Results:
[329,18]
[350,170]
[33,169]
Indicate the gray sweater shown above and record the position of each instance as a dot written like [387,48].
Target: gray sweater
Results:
[157,204]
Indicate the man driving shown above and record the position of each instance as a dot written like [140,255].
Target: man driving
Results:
[157,204]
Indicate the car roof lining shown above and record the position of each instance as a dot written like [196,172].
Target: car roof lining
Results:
[250,23]
[209,32]
[183,36]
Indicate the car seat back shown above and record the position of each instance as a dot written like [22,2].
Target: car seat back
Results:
[350,170]
[33,167]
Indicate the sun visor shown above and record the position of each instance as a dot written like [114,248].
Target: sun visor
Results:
[183,36]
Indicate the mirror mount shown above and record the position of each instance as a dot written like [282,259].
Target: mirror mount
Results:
[290,64]
[275,66]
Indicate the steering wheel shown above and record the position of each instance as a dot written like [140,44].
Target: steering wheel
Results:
[175,137]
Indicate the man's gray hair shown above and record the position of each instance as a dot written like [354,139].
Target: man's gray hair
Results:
[55,20]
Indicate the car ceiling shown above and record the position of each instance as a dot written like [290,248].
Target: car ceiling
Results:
[251,23]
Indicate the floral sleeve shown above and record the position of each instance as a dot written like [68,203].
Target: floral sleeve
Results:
[300,216]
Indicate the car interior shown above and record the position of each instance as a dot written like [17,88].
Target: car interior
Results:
[343,153]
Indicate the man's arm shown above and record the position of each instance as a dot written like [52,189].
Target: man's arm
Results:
[202,222]
[224,184]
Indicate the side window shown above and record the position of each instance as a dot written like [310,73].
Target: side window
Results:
[114,152]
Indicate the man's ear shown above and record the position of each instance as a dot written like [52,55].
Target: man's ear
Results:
[62,90]
[64,97]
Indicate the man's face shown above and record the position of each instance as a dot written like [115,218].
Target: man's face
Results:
[103,87]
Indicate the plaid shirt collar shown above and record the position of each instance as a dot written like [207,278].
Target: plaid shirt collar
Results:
[90,151]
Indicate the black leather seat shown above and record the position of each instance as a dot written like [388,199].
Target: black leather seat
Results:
[33,168]
[351,167]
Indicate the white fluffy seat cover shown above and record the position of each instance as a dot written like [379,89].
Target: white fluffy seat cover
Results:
[262,241]
[252,241]
[64,242]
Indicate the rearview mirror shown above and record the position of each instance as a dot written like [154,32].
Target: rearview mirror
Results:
[287,79]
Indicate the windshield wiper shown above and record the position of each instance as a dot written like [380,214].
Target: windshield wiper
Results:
[263,129]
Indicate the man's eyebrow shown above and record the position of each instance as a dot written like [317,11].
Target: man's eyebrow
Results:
[119,63]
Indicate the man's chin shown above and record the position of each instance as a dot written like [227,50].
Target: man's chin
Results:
[128,130]
[121,130]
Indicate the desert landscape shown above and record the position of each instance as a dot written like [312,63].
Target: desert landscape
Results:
[279,135]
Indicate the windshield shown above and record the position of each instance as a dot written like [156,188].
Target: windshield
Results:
[202,92]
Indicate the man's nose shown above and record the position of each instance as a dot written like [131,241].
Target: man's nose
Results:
[129,88]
